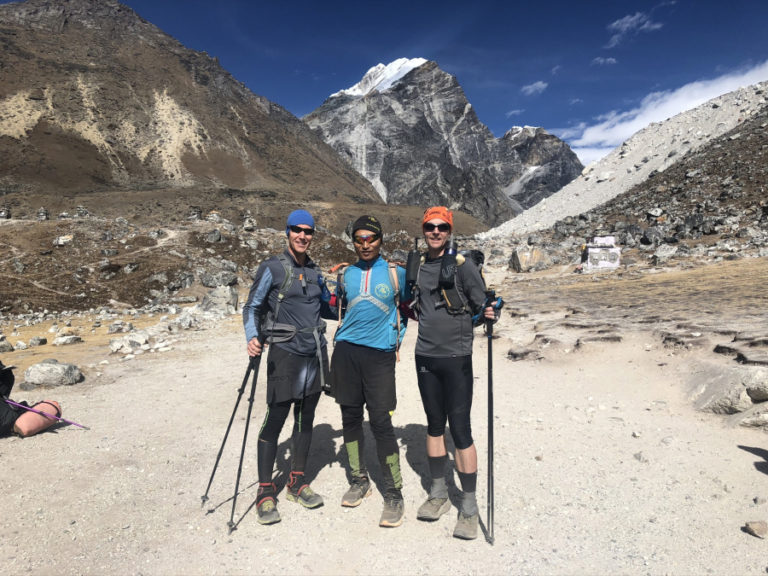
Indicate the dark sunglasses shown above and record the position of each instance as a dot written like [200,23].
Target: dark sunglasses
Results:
[299,230]
[370,238]
[429,227]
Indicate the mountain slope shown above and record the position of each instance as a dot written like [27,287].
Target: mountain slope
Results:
[94,97]
[653,149]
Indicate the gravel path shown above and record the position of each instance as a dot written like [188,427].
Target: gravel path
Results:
[601,467]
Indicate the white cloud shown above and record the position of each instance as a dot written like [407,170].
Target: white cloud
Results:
[630,25]
[600,61]
[596,140]
[555,70]
[535,88]
[515,112]
[589,155]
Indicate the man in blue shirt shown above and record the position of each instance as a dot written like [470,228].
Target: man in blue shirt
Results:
[363,365]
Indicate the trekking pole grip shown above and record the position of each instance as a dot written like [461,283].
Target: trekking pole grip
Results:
[490,298]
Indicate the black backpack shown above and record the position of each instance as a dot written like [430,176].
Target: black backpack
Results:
[8,413]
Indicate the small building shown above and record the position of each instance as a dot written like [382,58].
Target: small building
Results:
[600,254]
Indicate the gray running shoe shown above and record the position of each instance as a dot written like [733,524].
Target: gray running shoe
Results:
[392,515]
[433,508]
[359,488]
[267,510]
[466,527]
[305,496]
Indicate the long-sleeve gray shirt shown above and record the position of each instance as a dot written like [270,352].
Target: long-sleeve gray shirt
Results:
[441,334]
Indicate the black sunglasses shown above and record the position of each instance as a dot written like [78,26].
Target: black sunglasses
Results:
[299,230]
[429,227]
[370,238]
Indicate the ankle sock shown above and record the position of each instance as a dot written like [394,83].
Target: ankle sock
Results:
[469,503]
[439,488]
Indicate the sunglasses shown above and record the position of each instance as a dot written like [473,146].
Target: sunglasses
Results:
[369,238]
[428,227]
[299,230]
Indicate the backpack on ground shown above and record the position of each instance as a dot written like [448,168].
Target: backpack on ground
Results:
[8,414]
[18,420]
[30,423]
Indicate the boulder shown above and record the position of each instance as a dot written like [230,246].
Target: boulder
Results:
[51,372]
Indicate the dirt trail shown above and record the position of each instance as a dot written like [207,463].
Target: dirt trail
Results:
[602,465]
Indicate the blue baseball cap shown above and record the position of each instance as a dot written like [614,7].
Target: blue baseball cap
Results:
[298,217]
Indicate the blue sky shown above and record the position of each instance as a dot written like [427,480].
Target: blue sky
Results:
[592,72]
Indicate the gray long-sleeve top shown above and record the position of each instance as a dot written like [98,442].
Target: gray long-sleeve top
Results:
[442,334]
[305,302]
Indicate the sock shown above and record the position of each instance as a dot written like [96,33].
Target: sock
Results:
[439,488]
[437,466]
[469,498]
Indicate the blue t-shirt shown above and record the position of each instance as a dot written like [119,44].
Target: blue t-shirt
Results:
[371,316]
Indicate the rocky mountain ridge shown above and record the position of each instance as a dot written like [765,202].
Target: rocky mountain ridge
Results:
[709,205]
[648,152]
[420,142]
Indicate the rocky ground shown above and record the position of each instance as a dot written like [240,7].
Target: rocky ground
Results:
[603,461]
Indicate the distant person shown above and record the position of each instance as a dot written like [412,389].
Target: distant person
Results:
[447,294]
[363,365]
[284,308]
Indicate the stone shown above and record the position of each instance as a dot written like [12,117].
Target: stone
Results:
[52,373]
[758,528]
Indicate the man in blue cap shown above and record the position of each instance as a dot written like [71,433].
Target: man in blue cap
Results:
[284,308]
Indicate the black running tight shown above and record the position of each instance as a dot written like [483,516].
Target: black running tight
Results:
[445,385]
[303,420]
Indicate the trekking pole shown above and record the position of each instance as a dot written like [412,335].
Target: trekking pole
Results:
[204,497]
[490,296]
[255,360]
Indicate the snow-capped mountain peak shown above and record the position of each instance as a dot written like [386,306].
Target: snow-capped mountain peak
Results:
[382,77]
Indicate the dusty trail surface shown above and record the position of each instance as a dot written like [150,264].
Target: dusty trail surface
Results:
[602,464]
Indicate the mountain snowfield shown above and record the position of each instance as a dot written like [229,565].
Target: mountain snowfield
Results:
[381,77]
[654,148]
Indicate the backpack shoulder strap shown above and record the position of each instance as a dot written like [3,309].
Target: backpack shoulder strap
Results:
[341,270]
[287,265]
[395,281]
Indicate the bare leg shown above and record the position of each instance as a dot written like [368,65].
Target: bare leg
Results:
[466,459]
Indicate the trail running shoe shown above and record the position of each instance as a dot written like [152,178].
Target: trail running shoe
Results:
[359,488]
[392,515]
[466,527]
[267,509]
[433,508]
[305,496]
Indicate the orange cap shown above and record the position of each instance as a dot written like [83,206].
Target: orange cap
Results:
[440,212]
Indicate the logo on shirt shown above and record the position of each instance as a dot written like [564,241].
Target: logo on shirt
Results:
[383,291]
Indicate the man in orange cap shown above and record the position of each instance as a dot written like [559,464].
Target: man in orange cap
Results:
[444,365]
